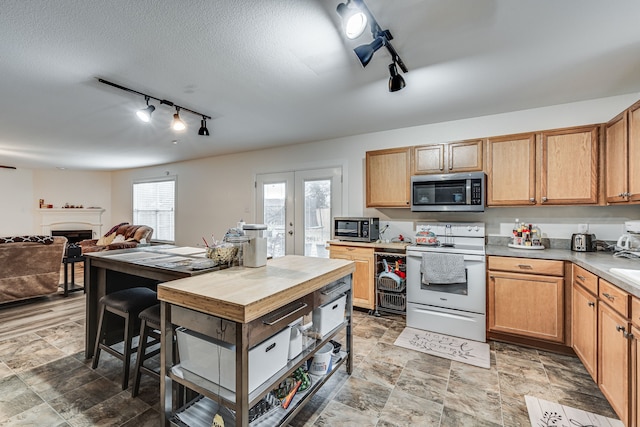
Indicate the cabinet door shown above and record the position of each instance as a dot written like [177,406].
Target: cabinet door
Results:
[634,153]
[388,178]
[511,162]
[428,159]
[363,285]
[613,360]
[527,305]
[465,156]
[584,328]
[616,160]
[635,377]
[569,172]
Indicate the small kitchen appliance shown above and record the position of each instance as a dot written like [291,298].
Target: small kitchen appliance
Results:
[255,250]
[356,229]
[583,242]
[630,241]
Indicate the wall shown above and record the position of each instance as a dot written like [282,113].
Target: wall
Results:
[214,193]
[20,190]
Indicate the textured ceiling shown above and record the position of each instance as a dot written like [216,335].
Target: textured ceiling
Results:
[279,72]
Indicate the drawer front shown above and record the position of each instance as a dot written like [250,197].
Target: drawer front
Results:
[351,250]
[635,312]
[614,297]
[527,265]
[586,279]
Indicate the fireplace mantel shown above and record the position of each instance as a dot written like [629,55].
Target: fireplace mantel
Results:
[71,219]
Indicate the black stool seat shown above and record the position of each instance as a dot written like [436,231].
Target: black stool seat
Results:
[149,327]
[127,304]
[132,300]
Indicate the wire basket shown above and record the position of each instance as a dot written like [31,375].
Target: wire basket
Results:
[393,301]
[388,284]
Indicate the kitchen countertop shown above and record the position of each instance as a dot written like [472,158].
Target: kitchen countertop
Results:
[597,263]
[384,246]
[243,294]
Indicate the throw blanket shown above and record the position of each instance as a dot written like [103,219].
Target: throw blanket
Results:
[45,240]
[442,269]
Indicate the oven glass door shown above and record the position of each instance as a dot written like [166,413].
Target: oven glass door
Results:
[469,296]
[439,193]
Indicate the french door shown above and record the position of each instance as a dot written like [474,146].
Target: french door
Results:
[298,208]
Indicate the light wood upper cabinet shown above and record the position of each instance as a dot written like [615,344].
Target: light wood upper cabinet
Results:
[450,157]
[511,172]
[569,169]
[622,151]
[388,179]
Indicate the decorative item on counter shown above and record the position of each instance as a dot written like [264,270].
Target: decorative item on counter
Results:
[41,203]
[222,253]
[426,237]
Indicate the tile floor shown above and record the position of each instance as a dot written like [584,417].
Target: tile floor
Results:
[45,381]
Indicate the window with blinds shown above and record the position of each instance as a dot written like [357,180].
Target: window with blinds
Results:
[154,205]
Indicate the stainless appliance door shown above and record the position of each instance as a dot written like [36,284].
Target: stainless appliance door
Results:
[347,228]
[468,297]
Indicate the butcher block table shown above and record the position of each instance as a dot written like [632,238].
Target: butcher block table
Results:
[250,305]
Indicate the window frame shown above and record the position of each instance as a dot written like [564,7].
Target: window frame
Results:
[167,178]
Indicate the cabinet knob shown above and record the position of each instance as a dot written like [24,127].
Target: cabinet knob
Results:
[544,199]
[620,194]
[620,328]
[591,304]
[532,199]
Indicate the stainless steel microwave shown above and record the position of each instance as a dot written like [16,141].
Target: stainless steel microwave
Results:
[451,192]
[356,229]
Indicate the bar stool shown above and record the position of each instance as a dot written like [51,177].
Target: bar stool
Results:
[149,327]
[127,304]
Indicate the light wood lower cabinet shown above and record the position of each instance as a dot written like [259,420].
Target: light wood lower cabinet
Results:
[363,279]
[613,360]
[635,362]
[584,319]
[527,304]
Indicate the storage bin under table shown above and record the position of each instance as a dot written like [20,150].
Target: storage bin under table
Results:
[329,316]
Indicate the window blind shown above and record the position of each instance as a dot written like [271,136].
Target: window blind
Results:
[154,205]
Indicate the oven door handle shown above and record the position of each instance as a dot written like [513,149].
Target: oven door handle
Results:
[471,258]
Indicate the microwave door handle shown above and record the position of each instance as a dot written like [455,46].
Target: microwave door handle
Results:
[468,191]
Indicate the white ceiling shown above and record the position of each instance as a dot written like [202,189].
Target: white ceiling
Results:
[276,72]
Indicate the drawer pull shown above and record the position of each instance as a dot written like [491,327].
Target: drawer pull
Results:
[338,287]
[284,316]
[581,277]
[525,266]
[591,304]
[608,296]
[620,328]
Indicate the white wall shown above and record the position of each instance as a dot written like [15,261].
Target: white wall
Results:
[214,193]
[20,190]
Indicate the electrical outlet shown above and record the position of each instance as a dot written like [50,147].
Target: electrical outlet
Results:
[583,228]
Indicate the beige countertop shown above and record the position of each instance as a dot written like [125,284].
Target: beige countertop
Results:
[598,263]
[374,245]
[243,294]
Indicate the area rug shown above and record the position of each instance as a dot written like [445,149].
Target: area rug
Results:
[549,414]
[458,349]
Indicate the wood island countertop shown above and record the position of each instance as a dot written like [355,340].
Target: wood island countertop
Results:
[243,294]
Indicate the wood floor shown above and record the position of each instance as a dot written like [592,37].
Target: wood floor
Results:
[29,316]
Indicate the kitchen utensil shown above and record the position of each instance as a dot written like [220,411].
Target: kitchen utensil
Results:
[583,242]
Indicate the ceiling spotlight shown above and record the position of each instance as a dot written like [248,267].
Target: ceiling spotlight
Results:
[365,52]
[354,20]
[396,82]
[203,127]
[145,113]
[177,123]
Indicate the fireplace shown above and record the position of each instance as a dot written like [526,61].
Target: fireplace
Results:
[68,220]
[74,236]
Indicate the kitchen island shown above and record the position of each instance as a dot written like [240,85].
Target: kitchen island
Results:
[243,307]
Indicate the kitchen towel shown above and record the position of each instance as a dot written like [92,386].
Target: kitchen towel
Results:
[442,269]
[544,413]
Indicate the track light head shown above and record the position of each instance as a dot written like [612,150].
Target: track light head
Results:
[145,113]
[354,20]
[365,52]
[203,128]
[177,123]
[396,82]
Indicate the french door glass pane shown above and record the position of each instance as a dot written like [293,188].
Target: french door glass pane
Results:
[274,217]
[317,217]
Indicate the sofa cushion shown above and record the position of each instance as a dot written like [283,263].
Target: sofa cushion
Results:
[105,240]
[45,240]
[115,228]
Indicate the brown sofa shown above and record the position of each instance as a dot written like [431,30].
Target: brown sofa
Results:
[30,268]
[122,236]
